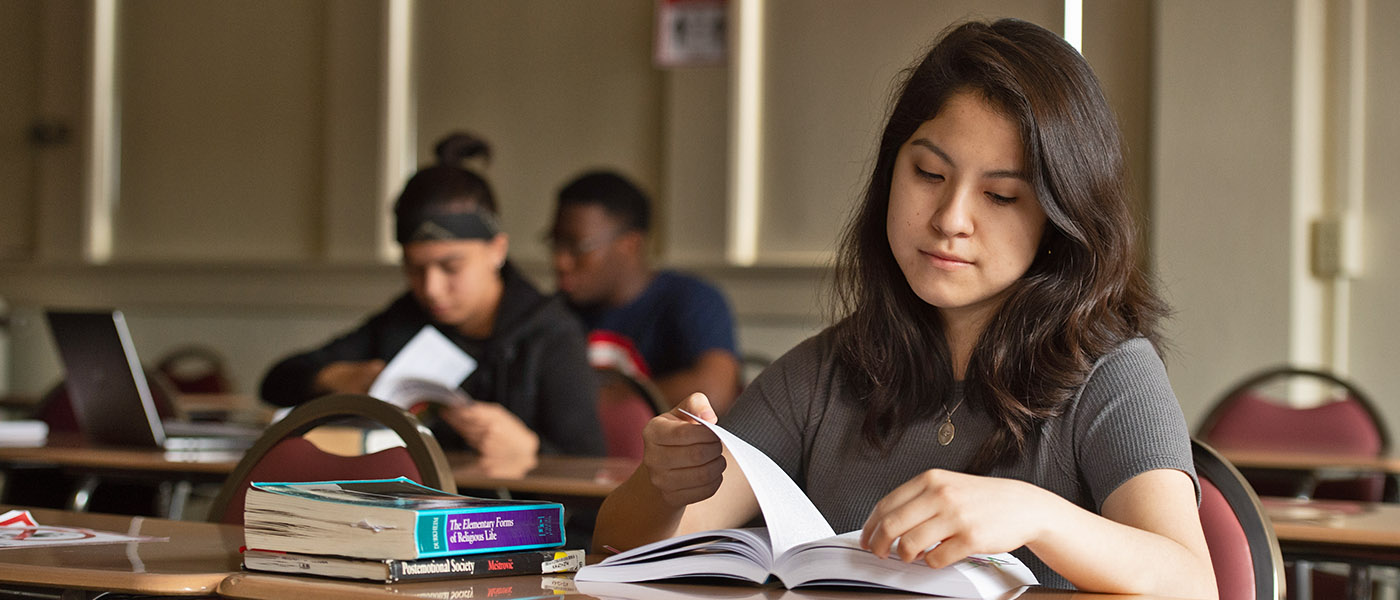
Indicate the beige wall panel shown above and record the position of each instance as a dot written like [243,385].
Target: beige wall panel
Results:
[221,130]
[1118,45]
[19,107]
[1222,211]
[61,170]
[692,216]
[1374,318]
[554,87]
[828,77]
[351,122]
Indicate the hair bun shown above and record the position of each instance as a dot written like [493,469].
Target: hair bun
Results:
[458,147]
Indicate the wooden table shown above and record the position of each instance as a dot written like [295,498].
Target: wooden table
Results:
[129,460]
[590,477]
[1339,464]
[1358,534]
[201,559]
[195,559]
[264,586]
[176,472]
[1305,470]
[1334,530]
[575,476]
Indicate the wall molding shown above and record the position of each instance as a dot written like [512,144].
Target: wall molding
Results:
[772,294]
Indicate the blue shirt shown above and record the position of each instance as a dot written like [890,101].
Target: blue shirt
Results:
[676,318]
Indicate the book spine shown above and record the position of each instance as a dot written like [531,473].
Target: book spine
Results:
[520,563]
[446,533]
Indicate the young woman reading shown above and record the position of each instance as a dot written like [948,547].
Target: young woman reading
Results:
[992,382]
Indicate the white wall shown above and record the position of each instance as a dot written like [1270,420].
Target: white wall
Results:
[1222,191]
[1375,320]
[1258,137]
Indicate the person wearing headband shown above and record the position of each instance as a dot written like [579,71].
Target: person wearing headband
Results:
[533,388]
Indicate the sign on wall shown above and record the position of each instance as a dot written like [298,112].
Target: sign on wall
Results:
[691,33]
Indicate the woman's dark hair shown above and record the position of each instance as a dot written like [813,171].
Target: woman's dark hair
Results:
[1083,293]
[447,186]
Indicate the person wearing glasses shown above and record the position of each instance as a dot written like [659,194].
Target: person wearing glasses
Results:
[673,328]
[533,389]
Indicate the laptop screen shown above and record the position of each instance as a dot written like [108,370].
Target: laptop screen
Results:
[111,397]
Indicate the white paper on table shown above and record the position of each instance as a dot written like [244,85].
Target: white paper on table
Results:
[18,529]
[429,356]
[791,517]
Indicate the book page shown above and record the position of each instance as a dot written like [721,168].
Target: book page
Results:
[429,356]
[791,517]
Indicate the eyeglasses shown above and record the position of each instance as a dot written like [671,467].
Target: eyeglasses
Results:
[577,249]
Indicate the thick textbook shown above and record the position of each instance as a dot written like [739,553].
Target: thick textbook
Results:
[799,548]
[389,570]
[392,518]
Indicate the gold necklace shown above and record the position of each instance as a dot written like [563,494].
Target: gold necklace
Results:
[946,431]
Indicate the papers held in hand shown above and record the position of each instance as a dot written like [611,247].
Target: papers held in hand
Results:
[416,395]
[799,548]
[427,371]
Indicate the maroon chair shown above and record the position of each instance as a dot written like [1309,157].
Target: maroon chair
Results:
[1257,415]
[282,454]
[625,405]
[55,408]
[1243,550]
[195,369]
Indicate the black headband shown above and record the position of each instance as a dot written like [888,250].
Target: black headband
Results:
[475,225]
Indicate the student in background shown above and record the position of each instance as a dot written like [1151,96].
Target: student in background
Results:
[992,381]
[533,387]
[679,325]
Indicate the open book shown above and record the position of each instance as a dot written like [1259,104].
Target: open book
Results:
[799,548]
[425,372]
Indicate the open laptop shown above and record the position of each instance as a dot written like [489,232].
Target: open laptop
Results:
[111,397]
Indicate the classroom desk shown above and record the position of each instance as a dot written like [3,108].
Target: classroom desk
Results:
[1358,534]
[79,456]
[589,477]
[1307,469]
[1337,465]
[176,472]
[195,559]
[265,586]
[572,476]
[201,559]
[1335,530]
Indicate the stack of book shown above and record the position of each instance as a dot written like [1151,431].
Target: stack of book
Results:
[393,530]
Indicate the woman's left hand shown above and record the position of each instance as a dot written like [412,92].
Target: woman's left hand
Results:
[964,514]
[493,430]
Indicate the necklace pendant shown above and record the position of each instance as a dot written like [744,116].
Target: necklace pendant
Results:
[945,433]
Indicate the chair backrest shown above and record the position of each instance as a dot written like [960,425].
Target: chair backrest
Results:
[1243,550]
[625,405]
[1257,414]
[55,408]
[282,454]
[195,369]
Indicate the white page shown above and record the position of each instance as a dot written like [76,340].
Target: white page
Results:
[792,518]
[429,356]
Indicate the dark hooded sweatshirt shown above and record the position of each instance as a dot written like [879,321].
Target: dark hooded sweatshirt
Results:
[535,364]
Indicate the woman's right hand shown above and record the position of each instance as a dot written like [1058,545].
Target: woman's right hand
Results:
[348,377]
[684,459]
